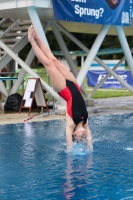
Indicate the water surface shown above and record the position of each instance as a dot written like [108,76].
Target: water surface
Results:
[34,164]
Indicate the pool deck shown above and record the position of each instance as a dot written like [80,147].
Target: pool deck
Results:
[108,106]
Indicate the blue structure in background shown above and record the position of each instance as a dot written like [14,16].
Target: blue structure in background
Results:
[94,77]
[95,12]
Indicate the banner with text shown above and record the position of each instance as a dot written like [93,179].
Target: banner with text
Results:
[111,12]
[95,77]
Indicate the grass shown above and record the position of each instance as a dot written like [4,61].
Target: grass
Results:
[108,94]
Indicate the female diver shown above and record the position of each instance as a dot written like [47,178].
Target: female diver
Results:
[66,85]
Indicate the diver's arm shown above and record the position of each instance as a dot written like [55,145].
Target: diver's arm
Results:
[69,131]
[88,137]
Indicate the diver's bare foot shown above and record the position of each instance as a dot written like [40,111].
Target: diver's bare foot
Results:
[31,34]
[36,36]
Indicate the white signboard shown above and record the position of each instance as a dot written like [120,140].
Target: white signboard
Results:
[33,90]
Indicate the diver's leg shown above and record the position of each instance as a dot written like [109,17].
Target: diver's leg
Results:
[56,77]
[63,70]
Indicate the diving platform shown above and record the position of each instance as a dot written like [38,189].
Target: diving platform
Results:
[19,14]
[17,9]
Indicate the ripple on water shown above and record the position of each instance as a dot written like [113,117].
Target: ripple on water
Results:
[34,163]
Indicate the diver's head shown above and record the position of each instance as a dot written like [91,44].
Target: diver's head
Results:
[79,133]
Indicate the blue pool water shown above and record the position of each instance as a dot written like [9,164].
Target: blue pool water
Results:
[34,164]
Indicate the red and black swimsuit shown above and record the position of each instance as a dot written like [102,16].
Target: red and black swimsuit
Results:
[75,103]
